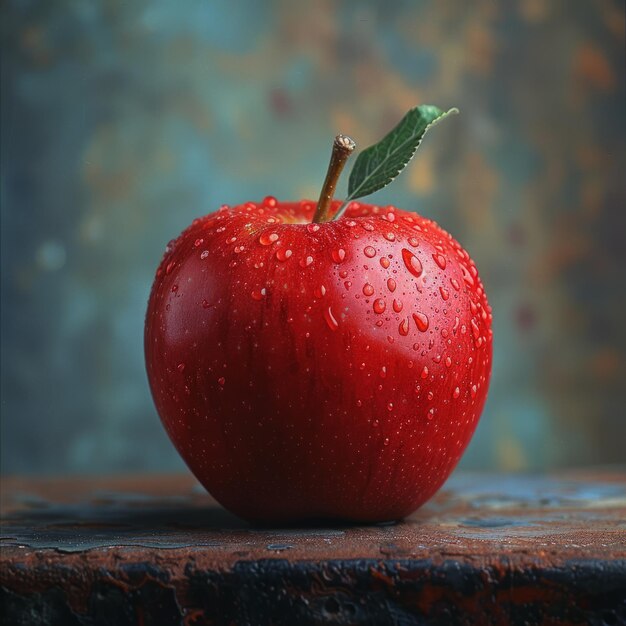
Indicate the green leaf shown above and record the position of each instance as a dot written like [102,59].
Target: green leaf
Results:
[379,164]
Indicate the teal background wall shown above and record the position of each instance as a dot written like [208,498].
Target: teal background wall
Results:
[122,121]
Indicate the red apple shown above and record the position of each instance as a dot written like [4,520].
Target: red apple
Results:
[332,370]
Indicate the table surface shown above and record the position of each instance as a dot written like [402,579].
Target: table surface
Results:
[487,548]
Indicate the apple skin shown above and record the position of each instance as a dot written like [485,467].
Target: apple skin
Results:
[331,371]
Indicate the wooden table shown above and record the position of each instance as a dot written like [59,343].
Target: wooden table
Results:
[488,549]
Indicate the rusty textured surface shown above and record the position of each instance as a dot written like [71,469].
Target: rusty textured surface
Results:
[158,550]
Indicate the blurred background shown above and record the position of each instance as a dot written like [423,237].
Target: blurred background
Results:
[122,121]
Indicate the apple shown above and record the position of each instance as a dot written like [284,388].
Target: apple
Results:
[318,369]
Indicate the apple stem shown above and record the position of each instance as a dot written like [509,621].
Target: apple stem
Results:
[343,147]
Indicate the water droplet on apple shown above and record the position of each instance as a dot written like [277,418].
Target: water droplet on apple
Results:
[181,367]
[384,261]
[386,441]
[312,228]
[397,305]
[306,261]
[379,306]
[467,277]
[448,361]
[267,239]
[411,262]
[330,319]
[403,328]
[445,294]
[369,252]
[198,242]
[319,291]
[283,254]
[222,381]
[389,236]
[390,406]
[170,267]
[205,304]
[368,290]
[391,284]
[383,372]
[270,201]
[475,329]
[431,414]
[440,260]
[456,393]
[473,391]
[338,255]
[455,327]
[204,254]
[414,242]
[455,283]
[421,321]
[424,373]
